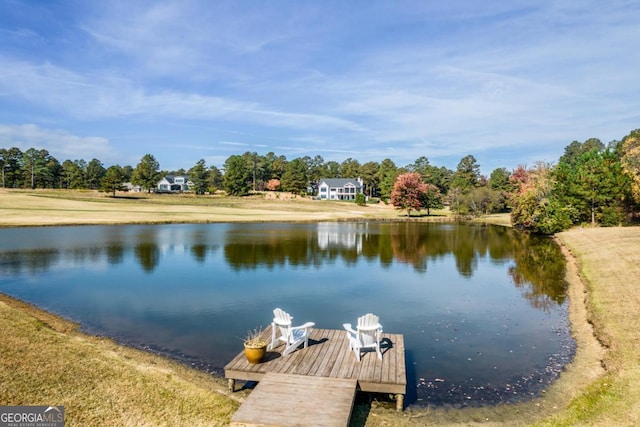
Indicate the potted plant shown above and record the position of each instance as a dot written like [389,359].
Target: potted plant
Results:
[255,345]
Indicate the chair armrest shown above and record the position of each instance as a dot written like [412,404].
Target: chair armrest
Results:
[305,326]
[348,327]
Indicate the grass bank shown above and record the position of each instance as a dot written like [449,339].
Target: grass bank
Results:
[609,260]
[45,360]
[50,207]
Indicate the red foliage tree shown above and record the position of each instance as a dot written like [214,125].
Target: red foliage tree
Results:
[520,177]
[273,185]
[409,192]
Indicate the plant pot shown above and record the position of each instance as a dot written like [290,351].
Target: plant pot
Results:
[255,354]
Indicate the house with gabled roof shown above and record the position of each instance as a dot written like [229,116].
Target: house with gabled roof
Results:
[339,188]
[173,184]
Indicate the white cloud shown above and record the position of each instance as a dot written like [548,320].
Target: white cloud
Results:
[191,40]
[102,96]
[234,143]
[59,143]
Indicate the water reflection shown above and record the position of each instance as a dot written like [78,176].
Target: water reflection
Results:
[35,261]
[481,307]
[538,264]
[345,236]
[539,271]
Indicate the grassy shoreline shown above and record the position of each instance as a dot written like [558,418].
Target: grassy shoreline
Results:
[19,208]
[102,383]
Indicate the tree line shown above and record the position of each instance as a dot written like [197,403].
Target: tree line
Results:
[590,183]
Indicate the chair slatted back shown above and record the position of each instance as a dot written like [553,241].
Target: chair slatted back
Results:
[368,329]
[368,321]
[284,321]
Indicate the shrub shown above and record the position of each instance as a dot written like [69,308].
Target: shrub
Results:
[610,216]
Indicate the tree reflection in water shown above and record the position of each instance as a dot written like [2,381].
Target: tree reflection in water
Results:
[538,262]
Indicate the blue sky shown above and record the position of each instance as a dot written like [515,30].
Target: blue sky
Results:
[510,82]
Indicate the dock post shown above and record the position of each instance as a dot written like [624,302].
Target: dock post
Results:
[399,402]
[232,385]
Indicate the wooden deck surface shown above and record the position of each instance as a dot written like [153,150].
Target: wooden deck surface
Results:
[328,355]
[296,400]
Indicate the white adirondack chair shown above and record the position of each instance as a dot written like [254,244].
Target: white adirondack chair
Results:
[367,335]
[282,330]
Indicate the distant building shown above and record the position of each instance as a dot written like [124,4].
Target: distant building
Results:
[132,188]
[340,188]
[174,184]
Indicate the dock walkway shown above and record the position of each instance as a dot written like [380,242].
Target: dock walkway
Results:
[284,399]
[327,358]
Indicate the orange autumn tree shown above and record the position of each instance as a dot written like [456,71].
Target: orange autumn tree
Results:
[409,192]
[273,184]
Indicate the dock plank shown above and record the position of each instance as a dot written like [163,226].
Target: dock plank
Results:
[291,400]
[330,353]
[314,354]
[342,368]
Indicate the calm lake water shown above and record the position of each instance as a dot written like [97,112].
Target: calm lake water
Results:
[483,309]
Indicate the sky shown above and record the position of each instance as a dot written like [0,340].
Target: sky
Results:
[509,82]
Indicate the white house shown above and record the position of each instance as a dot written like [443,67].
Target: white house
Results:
[340,188]
[132,188]
[173,184]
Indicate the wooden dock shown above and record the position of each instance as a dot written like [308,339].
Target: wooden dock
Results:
[308,373]
[283,399]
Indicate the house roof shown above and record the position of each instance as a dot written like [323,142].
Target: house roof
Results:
[340,182]
[172,178]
